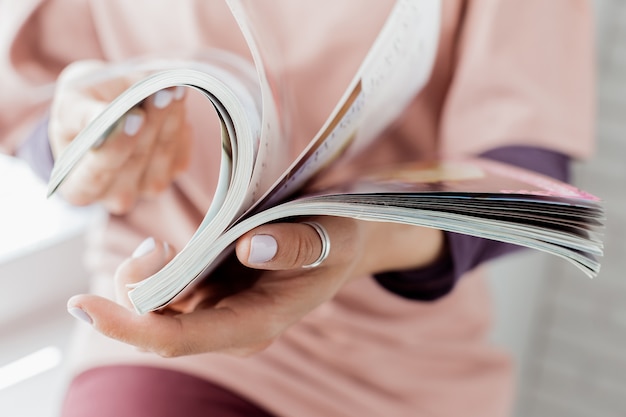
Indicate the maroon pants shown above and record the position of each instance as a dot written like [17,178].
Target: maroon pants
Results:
[137,391]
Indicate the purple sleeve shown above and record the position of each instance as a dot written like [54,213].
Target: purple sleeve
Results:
[36,151]
[465,252]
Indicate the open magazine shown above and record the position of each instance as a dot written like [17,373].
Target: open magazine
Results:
[258,182]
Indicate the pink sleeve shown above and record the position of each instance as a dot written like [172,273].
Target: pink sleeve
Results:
[524,76]
[38,39]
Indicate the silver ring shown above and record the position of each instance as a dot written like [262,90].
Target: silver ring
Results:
[325,239]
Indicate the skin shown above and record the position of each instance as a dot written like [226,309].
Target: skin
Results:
[126,167]
[250,307]
[249,320]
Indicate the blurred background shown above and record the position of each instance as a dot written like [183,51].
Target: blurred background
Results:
[568,333]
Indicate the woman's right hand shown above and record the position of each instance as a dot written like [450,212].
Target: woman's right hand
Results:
[141,157]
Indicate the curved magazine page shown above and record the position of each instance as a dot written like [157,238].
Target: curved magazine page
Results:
[238,111]
[396,67]
[274,151]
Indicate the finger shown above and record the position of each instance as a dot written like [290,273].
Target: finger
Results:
[96,172]
[67,119]
[183,150]
[282,246]
[77,101]
[160,171]
[149,257]
[213,330]
[81,95]
[95,77]
[150,332]
[126,181]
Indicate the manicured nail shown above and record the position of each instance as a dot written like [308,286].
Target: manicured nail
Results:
[179,92]
[132,124]
[262,249]
[163,98]
[80,314]
[144,248]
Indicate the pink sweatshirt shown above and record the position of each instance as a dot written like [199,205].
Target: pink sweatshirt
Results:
[508,72]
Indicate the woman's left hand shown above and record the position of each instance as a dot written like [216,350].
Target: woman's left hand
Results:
[244,319]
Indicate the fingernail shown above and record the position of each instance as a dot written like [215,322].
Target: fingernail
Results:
[162,99]
[262,249]
[80,314]
[179,92]
[133,124]
[144,248]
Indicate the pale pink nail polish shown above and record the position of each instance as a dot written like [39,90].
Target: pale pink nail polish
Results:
[132,124]
[163,98]
[262,249]
[179,92]
[80,314]
[144,248]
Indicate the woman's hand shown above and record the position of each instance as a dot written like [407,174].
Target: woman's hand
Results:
[241,313]
[140,158]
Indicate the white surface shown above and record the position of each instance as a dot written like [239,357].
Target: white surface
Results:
[40,395]
[29,221]
[41,243]
[41,251]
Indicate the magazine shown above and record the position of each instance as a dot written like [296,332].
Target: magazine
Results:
[258,183]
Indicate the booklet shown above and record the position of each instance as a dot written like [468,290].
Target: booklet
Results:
[258,183]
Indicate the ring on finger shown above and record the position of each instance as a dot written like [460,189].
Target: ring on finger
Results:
[325,239]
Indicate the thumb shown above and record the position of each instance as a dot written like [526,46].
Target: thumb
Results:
[282,246]
[66,117]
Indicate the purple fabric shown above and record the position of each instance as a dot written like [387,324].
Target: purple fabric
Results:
[36,151]
[138,391]
[465,252]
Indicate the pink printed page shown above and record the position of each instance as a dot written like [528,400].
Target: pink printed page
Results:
[466,176]
[537,184]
